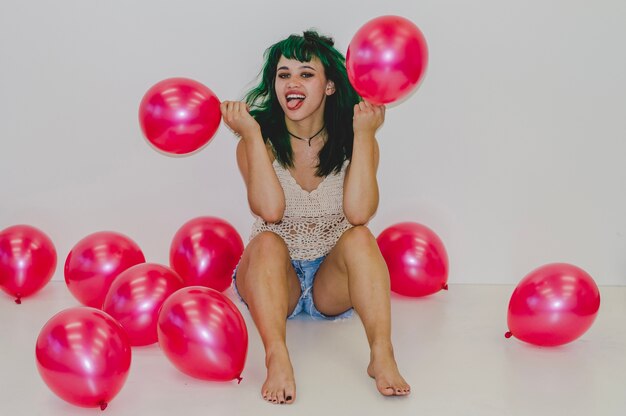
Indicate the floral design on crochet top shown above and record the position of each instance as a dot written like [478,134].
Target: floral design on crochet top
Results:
[313,221]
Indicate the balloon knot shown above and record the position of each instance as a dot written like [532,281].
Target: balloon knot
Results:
[508,334]
[18,300]
[445,286]
[239,380]
[103,405]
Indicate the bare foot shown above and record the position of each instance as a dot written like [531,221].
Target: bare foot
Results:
[280,384]
[384,370]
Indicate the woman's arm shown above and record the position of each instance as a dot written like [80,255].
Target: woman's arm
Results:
[265,195]
[360,197]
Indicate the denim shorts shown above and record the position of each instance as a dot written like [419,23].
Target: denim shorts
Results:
[305,270]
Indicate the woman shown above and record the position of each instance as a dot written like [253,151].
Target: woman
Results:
[308,157]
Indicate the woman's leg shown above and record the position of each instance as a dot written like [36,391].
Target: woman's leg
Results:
[354,274]
[269,285]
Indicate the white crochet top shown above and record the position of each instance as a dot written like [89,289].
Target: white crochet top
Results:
[313,221]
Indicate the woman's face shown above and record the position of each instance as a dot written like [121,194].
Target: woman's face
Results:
[301,88]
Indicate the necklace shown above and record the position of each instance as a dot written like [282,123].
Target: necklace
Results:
[305,139]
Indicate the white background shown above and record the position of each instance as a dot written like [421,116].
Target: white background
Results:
[512,149]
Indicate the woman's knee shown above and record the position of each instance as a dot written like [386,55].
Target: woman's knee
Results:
[265,256]
[358,244]
[359,237]
[267,245]
[265,259]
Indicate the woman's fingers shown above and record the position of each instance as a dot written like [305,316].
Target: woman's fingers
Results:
[237,117]
[368,116]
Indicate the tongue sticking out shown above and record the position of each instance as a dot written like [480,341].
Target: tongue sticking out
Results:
[294,103]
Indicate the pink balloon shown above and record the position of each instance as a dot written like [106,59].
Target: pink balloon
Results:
[27,260]
[83,355]
[203,334]
[416,258]
[95,261]
[553,305]
[205,251]
[386,59]
[136,296]
[179,115]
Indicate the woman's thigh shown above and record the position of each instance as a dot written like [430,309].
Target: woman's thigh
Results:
[265,269]
[331,292]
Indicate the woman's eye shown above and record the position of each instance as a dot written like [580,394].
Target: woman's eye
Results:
[306,75]
[283,76]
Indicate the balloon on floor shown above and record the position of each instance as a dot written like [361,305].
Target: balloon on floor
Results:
[386,59]
[205,251]
[95,261]
[203,334]
[83,355]
[179,115]
[416,259]
[27,260]
[136,296]
[553,305]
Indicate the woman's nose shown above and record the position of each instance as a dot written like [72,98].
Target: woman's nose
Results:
[292,83]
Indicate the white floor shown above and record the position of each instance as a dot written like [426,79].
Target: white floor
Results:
[450,347]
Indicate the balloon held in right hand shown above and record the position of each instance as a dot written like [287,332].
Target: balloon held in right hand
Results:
[179,115]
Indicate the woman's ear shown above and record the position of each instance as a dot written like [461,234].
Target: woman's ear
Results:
[330,88]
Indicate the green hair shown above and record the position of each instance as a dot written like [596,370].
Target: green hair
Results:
[338,112]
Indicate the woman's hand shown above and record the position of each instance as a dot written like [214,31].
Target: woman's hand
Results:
[367,118]
[237,117]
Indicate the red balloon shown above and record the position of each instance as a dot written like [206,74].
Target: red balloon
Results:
[416,258]
[136,296]
[27,260]
[553,305]
[83,355]
[205,251]
[386,59]
[95,261]
[179,115]
[203,334]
